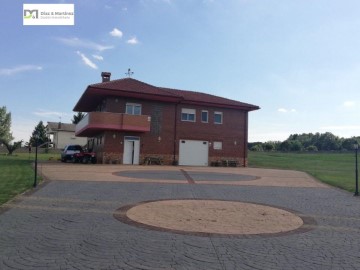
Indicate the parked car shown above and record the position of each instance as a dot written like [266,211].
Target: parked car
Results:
[69,151]
[76,154]
[84,157]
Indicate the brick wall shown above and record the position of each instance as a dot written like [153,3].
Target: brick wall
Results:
[160,141]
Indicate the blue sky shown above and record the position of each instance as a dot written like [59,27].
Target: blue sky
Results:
[298,60]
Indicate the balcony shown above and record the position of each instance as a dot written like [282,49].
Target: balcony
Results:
[96,122]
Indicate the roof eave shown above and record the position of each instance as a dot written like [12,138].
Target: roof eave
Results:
[247,107]
[105,92]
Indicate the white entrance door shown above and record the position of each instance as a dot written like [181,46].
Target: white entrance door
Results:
[193,153]
[131,150]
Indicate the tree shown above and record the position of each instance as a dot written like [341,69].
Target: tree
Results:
[5,125]
[5,133]
[42,136]
[295,145]
[284,146]
[348,144]
[11,147]
[256,148]
[328,142]
[311,148]
[77,117]
[268,146]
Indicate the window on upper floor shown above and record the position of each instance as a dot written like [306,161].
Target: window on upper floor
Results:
[101,106]
[133,108]
[218,117]
[188,115]
[204,116]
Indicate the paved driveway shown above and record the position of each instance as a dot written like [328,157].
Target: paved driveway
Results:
[70,221]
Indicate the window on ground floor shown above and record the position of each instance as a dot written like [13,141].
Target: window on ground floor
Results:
[217,145]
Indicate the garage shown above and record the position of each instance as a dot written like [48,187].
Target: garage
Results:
[193,153]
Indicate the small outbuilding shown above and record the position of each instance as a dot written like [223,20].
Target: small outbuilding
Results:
[62,134]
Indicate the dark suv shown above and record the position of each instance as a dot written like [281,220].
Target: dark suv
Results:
[69,151]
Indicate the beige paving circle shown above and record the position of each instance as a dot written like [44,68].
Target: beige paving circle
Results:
[214,217]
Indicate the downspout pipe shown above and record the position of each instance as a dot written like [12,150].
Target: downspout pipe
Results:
[245,137]
[175,133]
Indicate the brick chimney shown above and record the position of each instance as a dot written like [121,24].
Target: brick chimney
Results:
[105,76]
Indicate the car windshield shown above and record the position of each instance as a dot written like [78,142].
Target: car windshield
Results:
[75,148]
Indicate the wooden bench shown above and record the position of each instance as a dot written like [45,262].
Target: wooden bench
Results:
[229,163]
[153,161]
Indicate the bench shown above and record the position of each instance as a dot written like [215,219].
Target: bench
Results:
[153,161]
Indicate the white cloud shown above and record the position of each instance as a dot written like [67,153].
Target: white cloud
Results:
[133,41]
[283,110]
[116,33]
[349,104]
[49,114]
[19,69]
[79,43]
[98,57]
[343,128]
[86,60]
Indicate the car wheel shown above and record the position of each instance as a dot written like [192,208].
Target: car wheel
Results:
[93,160]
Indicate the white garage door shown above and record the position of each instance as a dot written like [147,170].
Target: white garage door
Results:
[193,153]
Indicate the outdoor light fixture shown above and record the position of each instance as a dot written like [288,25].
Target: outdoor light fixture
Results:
[356,147]
[36,137]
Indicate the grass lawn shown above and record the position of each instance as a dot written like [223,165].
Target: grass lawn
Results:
[336,169]
[16,174]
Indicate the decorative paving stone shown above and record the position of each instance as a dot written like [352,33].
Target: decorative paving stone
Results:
[211,217]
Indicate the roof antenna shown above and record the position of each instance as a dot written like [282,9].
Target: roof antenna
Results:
[129,73]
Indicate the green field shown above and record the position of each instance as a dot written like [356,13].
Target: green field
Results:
[336,169]
[16,174]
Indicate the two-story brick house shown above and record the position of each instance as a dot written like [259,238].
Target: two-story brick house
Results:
[129,120]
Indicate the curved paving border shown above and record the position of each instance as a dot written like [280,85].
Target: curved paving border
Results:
[184,175]
[121,214]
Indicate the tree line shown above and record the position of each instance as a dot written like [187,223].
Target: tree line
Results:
[307,142]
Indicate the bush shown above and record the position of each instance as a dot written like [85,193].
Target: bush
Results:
[311,148]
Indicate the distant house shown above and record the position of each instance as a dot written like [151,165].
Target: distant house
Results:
[62,134]
[132,122]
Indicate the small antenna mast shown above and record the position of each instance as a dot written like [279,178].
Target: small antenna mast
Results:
[129,73]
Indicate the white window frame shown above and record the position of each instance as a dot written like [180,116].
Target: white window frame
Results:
[186,112]
[222,116]
[133,105]
[217,145]
[207,116]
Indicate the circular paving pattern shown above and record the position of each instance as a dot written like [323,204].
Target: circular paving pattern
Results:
[212,217]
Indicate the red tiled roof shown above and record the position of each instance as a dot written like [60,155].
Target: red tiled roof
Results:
[203,98]
[129,87]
